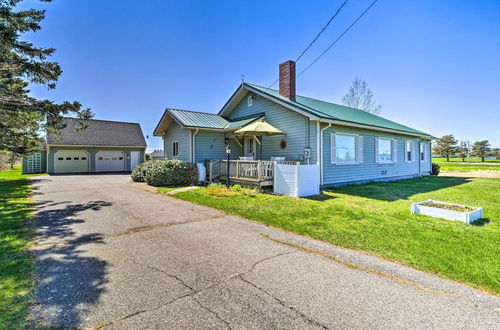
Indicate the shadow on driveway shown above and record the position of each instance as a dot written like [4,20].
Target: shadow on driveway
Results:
[67,280]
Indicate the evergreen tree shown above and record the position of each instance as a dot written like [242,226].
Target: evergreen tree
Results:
[481,149]
[23,117]
[495,152]
[446,146]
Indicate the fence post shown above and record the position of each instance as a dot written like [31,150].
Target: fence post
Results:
[210,171]
[259,170]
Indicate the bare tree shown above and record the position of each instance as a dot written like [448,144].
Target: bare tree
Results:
[463,150]
[360,97]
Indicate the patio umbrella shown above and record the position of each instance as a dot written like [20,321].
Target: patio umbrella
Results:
[259,128]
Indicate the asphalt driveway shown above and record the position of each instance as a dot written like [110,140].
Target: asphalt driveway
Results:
[111,254]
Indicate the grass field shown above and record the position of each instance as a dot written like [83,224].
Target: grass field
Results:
[467,160]
[376,217]
[473,164]
[16,266]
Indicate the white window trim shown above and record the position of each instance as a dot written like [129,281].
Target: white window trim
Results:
[394,150]
[423,150]
[413,149]
[250,100]
[357,149]
[173,149]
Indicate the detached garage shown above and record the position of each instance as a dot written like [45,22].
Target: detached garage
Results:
[101,146]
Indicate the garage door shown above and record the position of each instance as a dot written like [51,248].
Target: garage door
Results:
[71,161]
[109,161]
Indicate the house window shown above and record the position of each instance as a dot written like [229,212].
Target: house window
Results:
[120,158]
[409,151]
[60,158]
[84,158]
[250,100]
[76,158]
[100,158]
[68,158]
[422,151]
[345,148]
[385,150]
[175,149]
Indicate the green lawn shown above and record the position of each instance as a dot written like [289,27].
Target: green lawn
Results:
[376,217]
[471,164]
[16,264]
[464,167]
[467,160]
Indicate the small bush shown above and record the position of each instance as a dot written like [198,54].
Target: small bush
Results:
[236,187]
[220,190]
[171,173]
[139,172]
[435,169]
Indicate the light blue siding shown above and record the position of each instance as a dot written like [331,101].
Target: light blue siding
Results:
[210,145]
[368,170]
[294,125]
[173,133]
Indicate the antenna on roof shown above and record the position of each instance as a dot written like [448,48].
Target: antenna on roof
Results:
[242,78]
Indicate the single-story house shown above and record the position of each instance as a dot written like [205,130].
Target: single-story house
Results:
[263,125]
[157,154]
[103,146]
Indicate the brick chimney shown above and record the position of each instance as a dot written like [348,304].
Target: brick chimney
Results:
[287,80]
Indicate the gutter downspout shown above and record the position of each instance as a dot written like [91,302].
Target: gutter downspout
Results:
[321,150]
[193,145]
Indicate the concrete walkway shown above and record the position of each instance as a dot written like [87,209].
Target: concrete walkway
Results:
[110,254]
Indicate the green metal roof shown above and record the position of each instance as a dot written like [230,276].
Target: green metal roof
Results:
[209,120]
[334,111]
[198,119]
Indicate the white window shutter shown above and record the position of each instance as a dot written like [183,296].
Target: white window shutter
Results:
[359,156]
[376,150]
[333,151]
[394,146]
[415,152]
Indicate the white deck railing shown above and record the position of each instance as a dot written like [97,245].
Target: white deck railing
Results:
[246,170]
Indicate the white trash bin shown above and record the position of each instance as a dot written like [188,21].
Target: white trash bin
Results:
[202,172]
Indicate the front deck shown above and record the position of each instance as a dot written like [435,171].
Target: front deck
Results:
[246,172]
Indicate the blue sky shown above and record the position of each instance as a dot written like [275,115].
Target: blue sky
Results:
[433,65]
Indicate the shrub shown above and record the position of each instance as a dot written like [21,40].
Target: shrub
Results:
[139,172]
[220,190]
[171,173]
[435,169]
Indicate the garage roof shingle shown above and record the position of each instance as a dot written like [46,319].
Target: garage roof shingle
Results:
[98,133]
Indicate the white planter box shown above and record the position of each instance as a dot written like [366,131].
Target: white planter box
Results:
[437,212]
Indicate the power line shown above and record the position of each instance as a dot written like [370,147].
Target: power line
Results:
[340,37]
[323,29]
[317,36]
